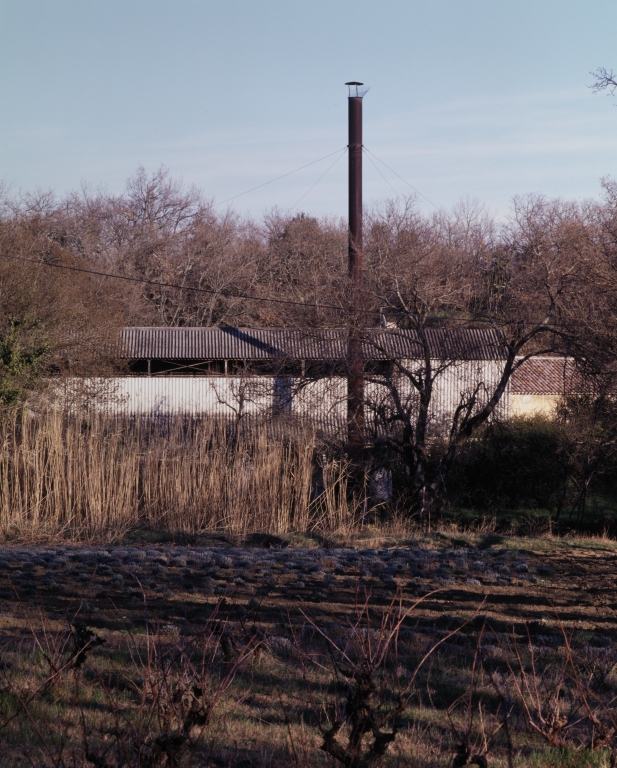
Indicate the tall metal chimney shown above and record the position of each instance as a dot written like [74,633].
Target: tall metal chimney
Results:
[355,359]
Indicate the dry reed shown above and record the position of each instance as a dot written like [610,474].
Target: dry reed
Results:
[96,475]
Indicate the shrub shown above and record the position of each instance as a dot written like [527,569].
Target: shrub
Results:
[513,464]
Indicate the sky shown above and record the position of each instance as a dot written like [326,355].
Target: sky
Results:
[469,99]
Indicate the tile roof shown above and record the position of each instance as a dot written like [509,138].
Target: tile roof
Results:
[312,344]
[546,376]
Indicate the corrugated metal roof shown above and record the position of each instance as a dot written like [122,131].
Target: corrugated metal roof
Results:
[319,344]
[547,376]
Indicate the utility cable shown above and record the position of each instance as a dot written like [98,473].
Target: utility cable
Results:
[159,284]
[417,191]
[319,179]
[259,186]
[380,173]
[252,297]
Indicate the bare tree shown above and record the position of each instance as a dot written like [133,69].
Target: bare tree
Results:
[453,272]
[605,80]
[52,320]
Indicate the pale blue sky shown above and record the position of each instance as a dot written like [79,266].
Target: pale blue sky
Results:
[469,98]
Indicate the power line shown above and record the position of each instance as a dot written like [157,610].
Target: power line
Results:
[159,284]
[380,173]
[319,179]
[229,199]
[402,179]
[265,299]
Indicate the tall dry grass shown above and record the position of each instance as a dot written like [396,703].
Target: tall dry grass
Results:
[98,476]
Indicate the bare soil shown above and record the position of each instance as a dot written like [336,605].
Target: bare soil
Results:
[515,582]
[289,591]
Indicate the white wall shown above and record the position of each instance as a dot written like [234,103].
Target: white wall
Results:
[324,401]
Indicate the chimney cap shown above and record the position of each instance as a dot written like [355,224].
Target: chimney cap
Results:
[355,92]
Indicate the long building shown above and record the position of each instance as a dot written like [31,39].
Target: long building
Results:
[249,372]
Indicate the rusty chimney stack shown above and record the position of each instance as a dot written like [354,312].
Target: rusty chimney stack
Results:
[355,361]
[355,181]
